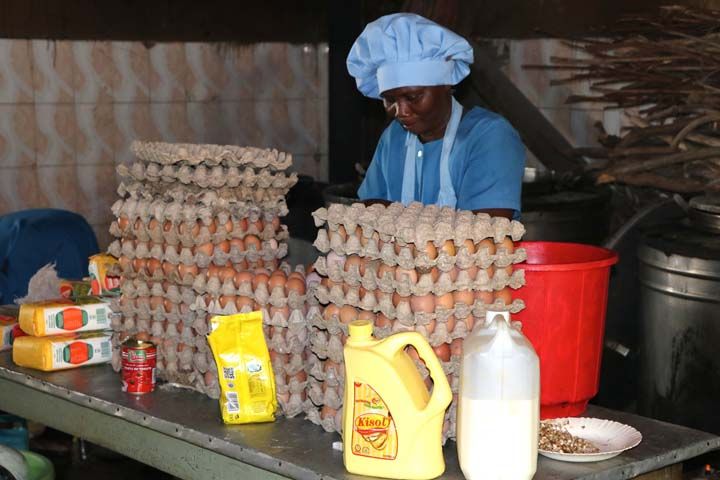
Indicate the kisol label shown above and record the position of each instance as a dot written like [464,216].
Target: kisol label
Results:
[374,434]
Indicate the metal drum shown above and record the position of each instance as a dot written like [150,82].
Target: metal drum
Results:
[680,321]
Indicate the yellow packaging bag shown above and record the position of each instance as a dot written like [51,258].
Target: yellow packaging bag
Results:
[61,352]
[247,384]
[102,280]
[54,317]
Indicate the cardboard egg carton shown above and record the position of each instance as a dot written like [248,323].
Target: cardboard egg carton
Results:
[195,232]
[197,154]
[203,176]
[199,256]
[268,199]
[415,225]
[408,257]
[417,281]
[131,210]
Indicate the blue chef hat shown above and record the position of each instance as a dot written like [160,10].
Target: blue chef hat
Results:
[403,50]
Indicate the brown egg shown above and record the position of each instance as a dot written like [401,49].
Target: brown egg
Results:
[456,347]
[243,301]
[167,305]
[125,263]
[300,377]
[448,247]
[411,274]
[260,278]
[451,321]
[464,296]
[505,295]
[330,311]
[283,311]
[210,378]
[470,245]
[213,270]
[430,327]
[296,285]
[156,302]
[454,273]
[143,336]
[472,272]
[355,262]
[365,315]
[196,229]
[382,321]
[252,242]
[445,301]
[167,226]
[185,269]
[224,246]
[242,277]
[205,249]
[242,224]
[212,226]
[277,279]
[123,222]
[229,225]
[275,222]
[241,265]
[507,244]
[258,224]
[153,225]
[397,299]
[443,352]
[139,264]
[342,232]
[490,271]
[138,224]
[348,314]
[470,322]
[225,299]
[422,303]
[488,244]
[227,273]
[383,269]
[327,412]
[238,244]
[431,250]
[153,264]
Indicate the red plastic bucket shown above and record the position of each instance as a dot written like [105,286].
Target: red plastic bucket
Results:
[565,294]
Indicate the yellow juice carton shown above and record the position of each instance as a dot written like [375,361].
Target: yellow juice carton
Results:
[247,383]
[61,352]
[392,425]
[54,317]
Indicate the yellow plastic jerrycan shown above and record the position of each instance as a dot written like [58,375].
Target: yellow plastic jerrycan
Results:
[392,426]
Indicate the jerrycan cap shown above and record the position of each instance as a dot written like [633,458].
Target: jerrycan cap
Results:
[491,314]
[361,329]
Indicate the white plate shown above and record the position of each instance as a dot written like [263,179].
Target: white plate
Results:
[612,438]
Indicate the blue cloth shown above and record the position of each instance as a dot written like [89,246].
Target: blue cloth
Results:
[405,50]
[486,165]
[30,239]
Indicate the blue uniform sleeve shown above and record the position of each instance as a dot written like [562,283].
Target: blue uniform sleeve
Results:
[493,177]
[375,185]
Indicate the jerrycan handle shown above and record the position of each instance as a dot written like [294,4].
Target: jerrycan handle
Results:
[441,395]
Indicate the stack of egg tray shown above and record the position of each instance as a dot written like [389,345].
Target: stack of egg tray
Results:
[418,268]
[199,234]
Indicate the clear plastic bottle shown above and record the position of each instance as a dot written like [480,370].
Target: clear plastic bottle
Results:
[499,402]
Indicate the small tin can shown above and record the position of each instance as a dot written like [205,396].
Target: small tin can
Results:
[139,359]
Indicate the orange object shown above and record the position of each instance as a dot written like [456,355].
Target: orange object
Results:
[71,319]
[77,353]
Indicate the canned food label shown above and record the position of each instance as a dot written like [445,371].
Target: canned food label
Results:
[374,434]
[138,369]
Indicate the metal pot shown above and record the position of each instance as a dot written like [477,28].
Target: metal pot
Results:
[679,270]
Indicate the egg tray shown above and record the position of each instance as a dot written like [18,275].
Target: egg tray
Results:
[279,296]
[437,332]
[482,279]
[416,224]
[208,154]
[220,254]
[403,311]
[407,257]
[192,233]
[207,176]
[145,210]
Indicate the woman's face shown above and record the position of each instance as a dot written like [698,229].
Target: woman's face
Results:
[423,111]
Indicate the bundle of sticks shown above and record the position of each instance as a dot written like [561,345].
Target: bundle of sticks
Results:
[664,72]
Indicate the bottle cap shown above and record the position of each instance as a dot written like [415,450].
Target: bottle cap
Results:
[361,329]
[491,314]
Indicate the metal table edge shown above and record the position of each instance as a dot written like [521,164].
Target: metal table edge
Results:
[242,454]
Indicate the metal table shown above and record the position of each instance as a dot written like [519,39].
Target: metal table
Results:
[181,432]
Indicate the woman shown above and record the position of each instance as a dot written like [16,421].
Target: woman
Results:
[434,152]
